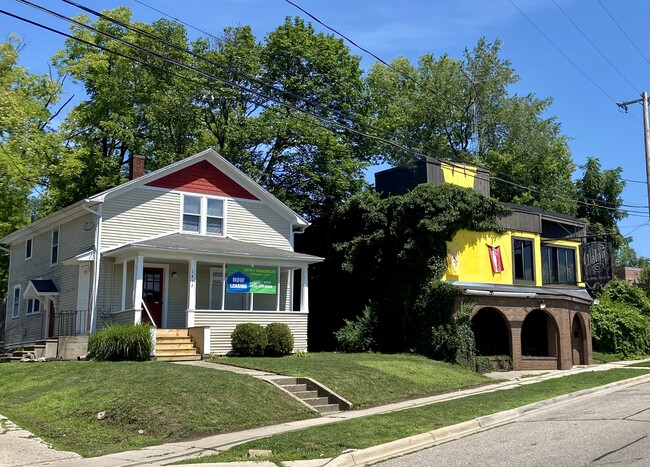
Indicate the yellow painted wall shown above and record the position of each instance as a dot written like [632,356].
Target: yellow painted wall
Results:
[459,175]
[473,261]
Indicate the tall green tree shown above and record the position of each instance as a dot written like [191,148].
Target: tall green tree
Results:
[600,202]
[135,103]
[462,110]
[27,141]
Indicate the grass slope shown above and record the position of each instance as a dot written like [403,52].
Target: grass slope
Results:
[331,440]
[59,402]
[369,379]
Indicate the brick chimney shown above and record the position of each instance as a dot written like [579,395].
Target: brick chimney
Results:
[136,166]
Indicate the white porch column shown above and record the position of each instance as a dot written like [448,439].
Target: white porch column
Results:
[304,291]
[278,288]
[191,293]
[124,275]
[137,288]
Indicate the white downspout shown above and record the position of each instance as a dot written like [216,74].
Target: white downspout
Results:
[97,264]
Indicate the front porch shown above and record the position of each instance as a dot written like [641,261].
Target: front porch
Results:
[228,283]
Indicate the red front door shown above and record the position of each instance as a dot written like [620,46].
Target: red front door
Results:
[152,294]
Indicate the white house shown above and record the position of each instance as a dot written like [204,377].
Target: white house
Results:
[196,245]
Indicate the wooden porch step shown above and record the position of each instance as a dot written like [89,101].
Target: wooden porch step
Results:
[163,345]
[178,358]
[172,333]
[173,340]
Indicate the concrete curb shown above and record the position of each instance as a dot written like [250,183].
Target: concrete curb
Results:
[415,443]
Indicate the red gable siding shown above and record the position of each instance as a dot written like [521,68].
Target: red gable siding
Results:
[203,178]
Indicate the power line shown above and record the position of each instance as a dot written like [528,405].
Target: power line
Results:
[561,51]
[595,47]
[624,33]
[321,120]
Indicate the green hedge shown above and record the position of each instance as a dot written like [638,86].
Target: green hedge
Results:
[120,342]
[249,340]
[620,328]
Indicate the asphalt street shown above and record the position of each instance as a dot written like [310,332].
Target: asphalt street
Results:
[611,429]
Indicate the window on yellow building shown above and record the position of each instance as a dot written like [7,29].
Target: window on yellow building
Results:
[558,265]
[522,258]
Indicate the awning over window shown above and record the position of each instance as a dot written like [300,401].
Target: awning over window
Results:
[37,289]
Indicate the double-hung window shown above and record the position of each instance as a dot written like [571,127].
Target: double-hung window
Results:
[33,306]
[15,310]
[54,257]
[522,258]
[558,265]
[202,215]
[28,248]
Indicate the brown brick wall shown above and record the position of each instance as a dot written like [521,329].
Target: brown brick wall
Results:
[561,313]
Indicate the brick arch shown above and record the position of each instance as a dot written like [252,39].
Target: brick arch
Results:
[492,332]
[579,348]
[540,334]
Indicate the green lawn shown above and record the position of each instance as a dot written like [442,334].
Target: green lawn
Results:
[331,440]
[368,379]
[600,357]
[59,402]
[641,365]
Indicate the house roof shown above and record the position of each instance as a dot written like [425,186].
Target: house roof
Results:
[37,288]
[77,209]
[214,246]
[544,213]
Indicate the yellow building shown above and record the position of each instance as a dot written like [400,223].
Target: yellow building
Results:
[525,283]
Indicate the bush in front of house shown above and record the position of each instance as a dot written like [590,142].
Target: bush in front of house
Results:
[358,335]
[619,328]
[279,340]
[121,342]
[249,340]
[454,342]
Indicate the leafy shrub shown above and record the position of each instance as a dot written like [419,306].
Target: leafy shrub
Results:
[620,328]
[279,340]
[503,363]
[358,335]
[120,342]
[249,340]
[483,364]
[454,342]
[622,292]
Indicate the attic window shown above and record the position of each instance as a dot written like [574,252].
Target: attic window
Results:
[202,215]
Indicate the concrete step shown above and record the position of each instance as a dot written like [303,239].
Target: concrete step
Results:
[306,394]
[295,387]
[285,381]
[318,401]
[327,408]
[9,359]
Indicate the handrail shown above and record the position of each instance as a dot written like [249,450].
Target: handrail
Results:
[144,305]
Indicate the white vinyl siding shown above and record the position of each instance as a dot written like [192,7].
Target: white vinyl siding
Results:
[253,221]
[76,237]
[138,214]
[222,324]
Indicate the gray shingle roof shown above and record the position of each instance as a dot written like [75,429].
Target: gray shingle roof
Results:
[44,286]
[205,244]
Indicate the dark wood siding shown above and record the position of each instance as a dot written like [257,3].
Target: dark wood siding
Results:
[522,222]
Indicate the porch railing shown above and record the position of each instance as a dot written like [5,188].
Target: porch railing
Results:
[69,323]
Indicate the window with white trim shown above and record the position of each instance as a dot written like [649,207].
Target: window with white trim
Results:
[15,311]
[28,248]
[54,257]
[202,215]
[33,306]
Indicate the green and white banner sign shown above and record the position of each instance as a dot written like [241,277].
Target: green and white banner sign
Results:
[247,279]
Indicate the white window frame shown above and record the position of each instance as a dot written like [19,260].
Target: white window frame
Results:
[29,248]
[54,261]
[33,306]
[15,311]
[203,214]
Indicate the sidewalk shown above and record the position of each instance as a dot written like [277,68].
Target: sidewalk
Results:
[20,448]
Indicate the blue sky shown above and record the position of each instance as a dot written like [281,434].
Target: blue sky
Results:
[584,81]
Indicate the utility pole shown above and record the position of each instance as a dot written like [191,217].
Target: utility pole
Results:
[646,134]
